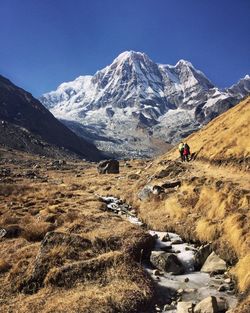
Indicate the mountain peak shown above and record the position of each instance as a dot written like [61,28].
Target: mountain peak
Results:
[182,62]
[130,55]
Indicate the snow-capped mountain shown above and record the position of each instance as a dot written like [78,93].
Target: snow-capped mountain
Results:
[134,105]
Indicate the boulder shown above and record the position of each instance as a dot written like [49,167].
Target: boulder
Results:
[157,190]
[108,167]
[214,264]
[222,304]
[185,307]
[207,305]
[167,262]
[145,192]
[165,237]
[201,255]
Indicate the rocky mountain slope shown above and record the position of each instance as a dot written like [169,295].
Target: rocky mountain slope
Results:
[28,125]
[134,101]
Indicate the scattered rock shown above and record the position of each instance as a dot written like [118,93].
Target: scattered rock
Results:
[222,288]
[168,307]
[133,176]
[144,194]
[167,262]
[214,264]
[185,307]
[228,280]
[13,231]
[180,291]
[171,184]
[186,280]
[176,241]
[156,272]
[108,167]
[190,290]
[201,255]
[207,305]
[222,304]
[165,238]
[156,190]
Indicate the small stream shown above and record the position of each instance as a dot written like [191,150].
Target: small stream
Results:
[192,285]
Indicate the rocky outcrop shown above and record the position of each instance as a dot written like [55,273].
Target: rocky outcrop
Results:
[108,167]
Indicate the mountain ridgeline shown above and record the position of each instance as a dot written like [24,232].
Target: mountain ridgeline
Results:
[29,126]
[134,106]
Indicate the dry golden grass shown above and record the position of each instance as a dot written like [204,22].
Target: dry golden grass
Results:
[225,138]
[211,205]
[241,271]
[36,231]
[69,205]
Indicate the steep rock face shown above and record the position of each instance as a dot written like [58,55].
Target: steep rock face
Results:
[138,105]
[18,107]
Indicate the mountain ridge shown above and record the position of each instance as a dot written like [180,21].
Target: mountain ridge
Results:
[24,114]
[167,101]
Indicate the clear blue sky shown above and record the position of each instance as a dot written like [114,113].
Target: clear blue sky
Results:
[46,42]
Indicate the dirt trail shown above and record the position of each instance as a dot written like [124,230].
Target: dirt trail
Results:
[225,173]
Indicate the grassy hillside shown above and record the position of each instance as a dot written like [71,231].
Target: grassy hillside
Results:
[225,139]
[212,203]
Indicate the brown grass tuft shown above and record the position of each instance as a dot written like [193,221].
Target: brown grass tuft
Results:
[4,266]
[36,231]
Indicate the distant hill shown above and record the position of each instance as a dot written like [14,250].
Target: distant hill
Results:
[24,114]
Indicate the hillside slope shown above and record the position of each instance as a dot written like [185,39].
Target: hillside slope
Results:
[225,139]
[18,107]
[211,205]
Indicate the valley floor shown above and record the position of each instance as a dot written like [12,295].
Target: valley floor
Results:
[61,251]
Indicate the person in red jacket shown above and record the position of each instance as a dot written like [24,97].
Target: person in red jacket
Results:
[186,152]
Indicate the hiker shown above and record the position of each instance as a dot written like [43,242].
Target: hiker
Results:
[186,152]
[181,150]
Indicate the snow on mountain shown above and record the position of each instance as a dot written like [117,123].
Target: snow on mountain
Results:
[134,104]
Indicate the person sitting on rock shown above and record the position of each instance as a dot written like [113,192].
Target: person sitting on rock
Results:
[186,152]
[181,150]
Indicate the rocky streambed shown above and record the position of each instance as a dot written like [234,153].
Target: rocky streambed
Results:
[188,278]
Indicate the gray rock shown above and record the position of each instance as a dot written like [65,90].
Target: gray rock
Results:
[165,237]
[168,307]
[222,304]
[185,307]
[144,194]
[108,167]
[201,255]
[214,264]
[167,262]
[207,305]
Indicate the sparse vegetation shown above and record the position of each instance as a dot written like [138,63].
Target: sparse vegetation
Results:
[93,262]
